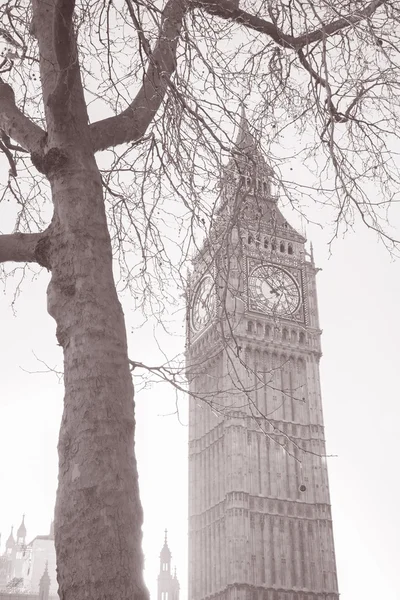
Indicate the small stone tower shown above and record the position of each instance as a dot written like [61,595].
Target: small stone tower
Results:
[21,533]
[19,550]
[44,585]
[10,543]
[168,584]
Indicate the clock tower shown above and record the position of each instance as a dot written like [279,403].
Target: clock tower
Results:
[260,525]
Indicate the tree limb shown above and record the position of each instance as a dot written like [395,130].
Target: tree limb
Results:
[10,158]
[131,124]
[227,9]
[23,247]
[15,124]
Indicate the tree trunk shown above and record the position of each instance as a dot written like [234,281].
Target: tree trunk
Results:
[98,513]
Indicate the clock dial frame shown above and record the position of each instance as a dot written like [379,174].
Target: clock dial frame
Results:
[274,291]
[203,303]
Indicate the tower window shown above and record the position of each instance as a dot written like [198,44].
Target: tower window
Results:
[267,331]
[250,326]
[248,182]
[273,246]
[302,337]
[290,249]
[265,242]
[285,335]
[265,187]
[282,247]
[249,239]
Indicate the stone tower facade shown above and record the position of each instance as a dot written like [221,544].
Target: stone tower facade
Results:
[168,584]
[260,525]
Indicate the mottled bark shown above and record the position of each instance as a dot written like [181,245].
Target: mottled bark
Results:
[98,513]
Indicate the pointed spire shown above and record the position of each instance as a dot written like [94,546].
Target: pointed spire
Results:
[249,159]
[44,584]
[165,551]
[10,543]
[244,139]
[21,533]
[247,168]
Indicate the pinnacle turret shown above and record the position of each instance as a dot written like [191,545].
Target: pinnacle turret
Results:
[247,169]
[44,584]
[21,533]
[168,584]
[165,554]
[10,543]
[245,140]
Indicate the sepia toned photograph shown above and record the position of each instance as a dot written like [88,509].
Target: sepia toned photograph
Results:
[200,282]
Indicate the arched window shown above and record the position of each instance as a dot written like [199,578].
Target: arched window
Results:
[267,331]
[302,337]
[259,329]
[290,249]
[249,239]
[265,242]
[285,335]
[282,247]
[242,180]
[265,187]
[250,328]
[273,246]
[248,182]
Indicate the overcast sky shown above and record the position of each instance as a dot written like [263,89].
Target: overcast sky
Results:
[359,300]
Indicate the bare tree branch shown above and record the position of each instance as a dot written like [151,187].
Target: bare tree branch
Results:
[227,9]
[132,123]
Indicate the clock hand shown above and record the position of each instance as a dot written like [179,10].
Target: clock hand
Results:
[273,290]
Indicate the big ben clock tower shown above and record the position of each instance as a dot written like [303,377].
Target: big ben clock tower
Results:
[260,525]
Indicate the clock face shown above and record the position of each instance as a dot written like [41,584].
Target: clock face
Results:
[274,291]
[203,303]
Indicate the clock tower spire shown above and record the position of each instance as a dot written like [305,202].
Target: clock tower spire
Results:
[260,523]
